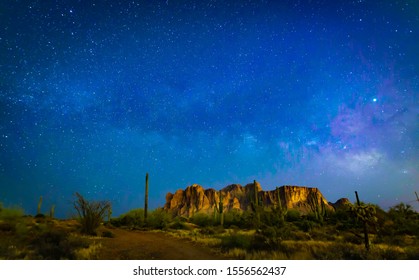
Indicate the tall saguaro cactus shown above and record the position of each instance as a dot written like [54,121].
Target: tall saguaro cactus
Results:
[220,208]
[146,197]
[319,210]
[256,193]
[364,220]
[256,203]
[281,211]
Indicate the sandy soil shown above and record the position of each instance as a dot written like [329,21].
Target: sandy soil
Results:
[144,245]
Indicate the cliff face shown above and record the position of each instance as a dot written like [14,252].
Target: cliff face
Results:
[195,199]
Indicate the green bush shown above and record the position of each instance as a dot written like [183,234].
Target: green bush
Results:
[233,218]
[133,219]
[10,217]
[55,244]
[159,219]
[306,225]
[236,240]
[177,224]
[202,220]
[292,215]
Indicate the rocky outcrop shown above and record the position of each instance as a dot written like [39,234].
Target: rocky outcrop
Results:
[195,199]
[340,203]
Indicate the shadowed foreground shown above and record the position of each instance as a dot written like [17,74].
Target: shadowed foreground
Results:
[141,245]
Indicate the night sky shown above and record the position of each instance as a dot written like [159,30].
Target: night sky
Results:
[94,94]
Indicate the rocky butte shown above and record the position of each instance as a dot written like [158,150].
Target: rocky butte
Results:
[195,199]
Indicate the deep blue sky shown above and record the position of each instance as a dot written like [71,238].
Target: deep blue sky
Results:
[94,94]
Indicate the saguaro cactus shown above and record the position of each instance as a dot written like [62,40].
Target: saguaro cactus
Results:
[256,193]
[319,210]
[146,197]
[364,213]
[256,203]
[281,211]
[220,208]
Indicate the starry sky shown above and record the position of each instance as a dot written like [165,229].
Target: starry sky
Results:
[94,94]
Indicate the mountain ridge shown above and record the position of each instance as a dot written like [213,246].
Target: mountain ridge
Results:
[196,199]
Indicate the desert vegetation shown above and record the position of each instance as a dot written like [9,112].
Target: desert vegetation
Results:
[259,233]
[287,234]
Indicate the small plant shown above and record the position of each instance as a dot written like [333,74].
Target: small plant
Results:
[91,213]
[39,205]
[52,211]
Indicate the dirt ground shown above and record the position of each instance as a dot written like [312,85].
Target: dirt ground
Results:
[145,245]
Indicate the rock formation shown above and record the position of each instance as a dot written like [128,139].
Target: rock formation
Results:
[195,199]
[340,203]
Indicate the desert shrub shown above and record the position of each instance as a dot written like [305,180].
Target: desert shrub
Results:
[313,217]
[55,244]
[271,218]
[158,219]
[287,231]
[306,225]
[108,234]
[391,239]
[91,213]
[248,220]
[236,240]
[10,214]
[212,230]
[323,233]
[401,220]
[88,253]
[267,238]
[9,218]
[207,231]
[233,218]
[391,254]
[202,220]
[352,238]
[133,219]
[292,215]
[343,219]
[335,251]
[412,253]
[270,237]
[177,224]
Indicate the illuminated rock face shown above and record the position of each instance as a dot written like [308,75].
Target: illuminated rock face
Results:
[195,199]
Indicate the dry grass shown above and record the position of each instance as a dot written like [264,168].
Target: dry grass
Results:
[89,253]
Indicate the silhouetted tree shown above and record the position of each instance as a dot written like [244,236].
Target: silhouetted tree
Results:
[91,213]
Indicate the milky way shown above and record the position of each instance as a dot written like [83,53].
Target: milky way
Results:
[94,94]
